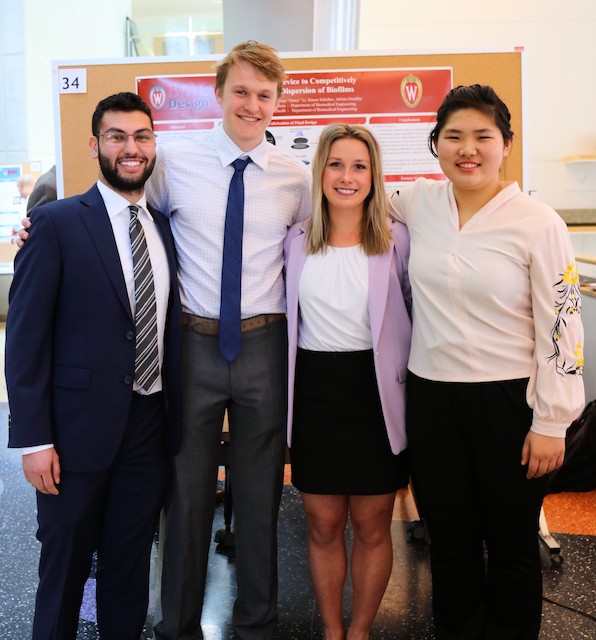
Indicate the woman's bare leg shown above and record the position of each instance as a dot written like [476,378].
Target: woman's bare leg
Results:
[326,517]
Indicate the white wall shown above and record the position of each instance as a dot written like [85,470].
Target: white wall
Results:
[32,34]
[285,24]
[559,38]
[12,71]
[560,81]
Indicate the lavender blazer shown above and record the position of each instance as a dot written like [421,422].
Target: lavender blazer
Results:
[389,303]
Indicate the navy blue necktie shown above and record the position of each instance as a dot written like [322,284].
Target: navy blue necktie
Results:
[230,339]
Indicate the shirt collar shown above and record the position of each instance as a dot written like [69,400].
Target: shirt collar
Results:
[228,151]
[116,204]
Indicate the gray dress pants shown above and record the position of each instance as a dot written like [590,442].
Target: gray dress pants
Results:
[253,389]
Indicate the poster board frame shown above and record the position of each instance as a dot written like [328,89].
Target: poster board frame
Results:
[76,171]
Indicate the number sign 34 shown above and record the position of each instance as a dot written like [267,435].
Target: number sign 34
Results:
[73,80]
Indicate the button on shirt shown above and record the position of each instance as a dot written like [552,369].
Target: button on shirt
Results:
[190,184]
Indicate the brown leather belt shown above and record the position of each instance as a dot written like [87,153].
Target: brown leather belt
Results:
[210,326]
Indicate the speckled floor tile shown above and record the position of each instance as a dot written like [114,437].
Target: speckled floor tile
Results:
[569,590]
[571,512]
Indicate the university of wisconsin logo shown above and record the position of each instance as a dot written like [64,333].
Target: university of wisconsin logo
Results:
[411,90]
[157,97]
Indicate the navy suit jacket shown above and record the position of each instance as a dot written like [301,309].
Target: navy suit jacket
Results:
[70,337]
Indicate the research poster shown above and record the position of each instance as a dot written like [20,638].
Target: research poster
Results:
[12,206]
[398,105]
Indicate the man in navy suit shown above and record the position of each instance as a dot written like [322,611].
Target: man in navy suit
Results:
[95,427]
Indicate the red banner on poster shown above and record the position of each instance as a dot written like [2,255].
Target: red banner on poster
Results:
[370,91]
[180,97]
[313,93]
[399,105]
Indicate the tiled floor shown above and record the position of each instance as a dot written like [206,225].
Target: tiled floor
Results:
[569,590]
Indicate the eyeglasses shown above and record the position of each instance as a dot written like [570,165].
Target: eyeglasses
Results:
[119,138]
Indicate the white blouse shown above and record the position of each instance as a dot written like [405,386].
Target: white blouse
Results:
[498,299]
[333,301]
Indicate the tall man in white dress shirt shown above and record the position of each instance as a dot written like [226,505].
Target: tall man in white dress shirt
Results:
[190,184]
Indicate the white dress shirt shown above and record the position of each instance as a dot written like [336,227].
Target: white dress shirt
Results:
[190,184]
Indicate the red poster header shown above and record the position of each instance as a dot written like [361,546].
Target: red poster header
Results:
[391,91]
[399,92]
[180,97]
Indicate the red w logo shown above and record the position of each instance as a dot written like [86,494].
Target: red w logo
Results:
[411,90]
[157,97]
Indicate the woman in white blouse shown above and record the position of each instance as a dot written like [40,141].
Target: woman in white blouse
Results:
[349,338]
[495,370]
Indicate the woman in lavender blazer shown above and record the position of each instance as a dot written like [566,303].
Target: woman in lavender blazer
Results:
[349,326]
[389,305]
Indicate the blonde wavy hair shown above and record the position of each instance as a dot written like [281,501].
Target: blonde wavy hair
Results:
[374,235]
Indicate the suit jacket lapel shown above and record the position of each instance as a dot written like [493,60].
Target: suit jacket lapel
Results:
[95,217]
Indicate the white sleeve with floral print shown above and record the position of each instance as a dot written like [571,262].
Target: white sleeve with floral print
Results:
[556,390]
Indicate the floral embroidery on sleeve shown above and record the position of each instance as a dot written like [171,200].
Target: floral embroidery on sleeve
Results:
[568,302]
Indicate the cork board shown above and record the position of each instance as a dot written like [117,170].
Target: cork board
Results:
[502,70]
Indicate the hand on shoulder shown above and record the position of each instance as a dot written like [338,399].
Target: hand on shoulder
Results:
[23,234]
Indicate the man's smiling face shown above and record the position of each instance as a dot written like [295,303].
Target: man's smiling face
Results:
[248,101]
[124,167]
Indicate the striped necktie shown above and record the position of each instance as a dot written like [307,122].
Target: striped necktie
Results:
[146,353]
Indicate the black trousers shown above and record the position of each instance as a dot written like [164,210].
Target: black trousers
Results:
[115,512]
[465,443]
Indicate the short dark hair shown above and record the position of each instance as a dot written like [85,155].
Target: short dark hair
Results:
[124,101]
[480,97]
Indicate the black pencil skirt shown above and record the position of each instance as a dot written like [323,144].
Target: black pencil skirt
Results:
[339,440]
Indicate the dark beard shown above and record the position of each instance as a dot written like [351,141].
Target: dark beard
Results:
[113,178]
